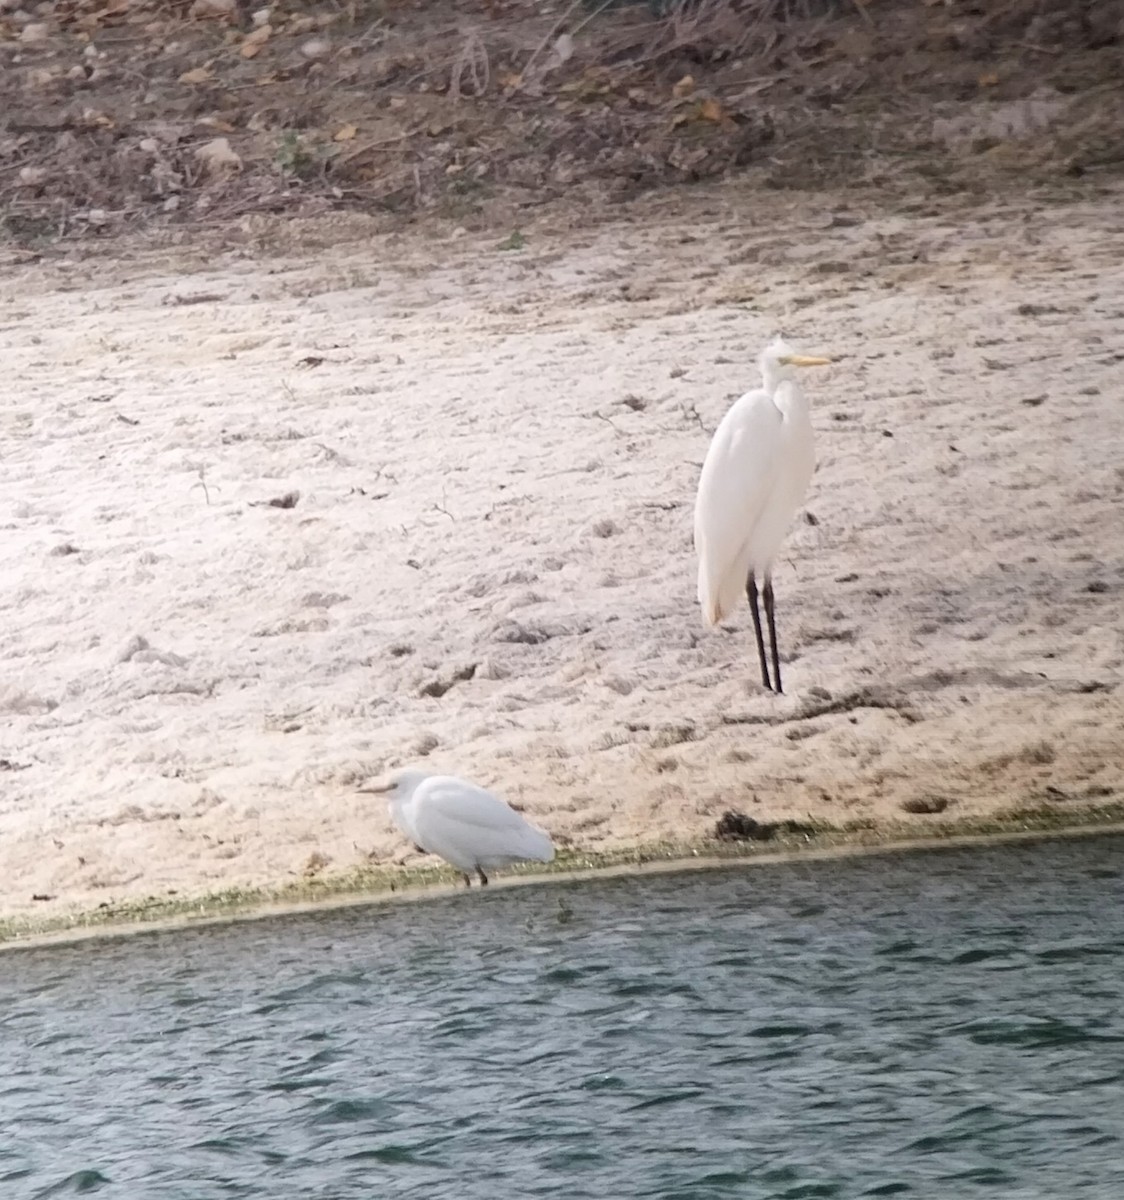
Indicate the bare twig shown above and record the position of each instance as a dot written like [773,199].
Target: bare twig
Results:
[1033,46]
[193,298]
[608,421]
[333,455]
[551,35]
[693,413]
[866,697]
[202,471]
[860,7]
[473,58]
[382,143]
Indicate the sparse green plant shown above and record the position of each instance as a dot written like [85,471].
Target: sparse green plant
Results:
[295,157]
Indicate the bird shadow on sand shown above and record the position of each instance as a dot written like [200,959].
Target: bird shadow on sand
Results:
[900,698]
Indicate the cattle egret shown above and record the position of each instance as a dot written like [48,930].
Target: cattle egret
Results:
[756,472]
[462,823]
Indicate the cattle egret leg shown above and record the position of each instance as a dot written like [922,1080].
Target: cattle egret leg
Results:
[483,877]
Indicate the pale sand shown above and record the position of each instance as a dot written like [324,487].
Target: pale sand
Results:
[496,462]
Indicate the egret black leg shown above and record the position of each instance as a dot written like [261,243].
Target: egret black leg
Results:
[770,616]
[751,592]
[483,877]
[468,881]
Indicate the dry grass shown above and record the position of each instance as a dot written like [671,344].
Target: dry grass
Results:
[110,113]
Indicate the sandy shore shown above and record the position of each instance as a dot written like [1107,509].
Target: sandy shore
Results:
[489,568]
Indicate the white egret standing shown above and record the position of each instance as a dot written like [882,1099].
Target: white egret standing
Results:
[756,472]
[465,825]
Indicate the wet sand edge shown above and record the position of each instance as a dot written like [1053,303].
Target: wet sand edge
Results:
[401,885]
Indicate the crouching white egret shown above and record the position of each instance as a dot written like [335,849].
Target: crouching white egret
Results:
[756,472]
[465,825]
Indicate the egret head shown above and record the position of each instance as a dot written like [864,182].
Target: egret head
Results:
[779,361]
[399,785]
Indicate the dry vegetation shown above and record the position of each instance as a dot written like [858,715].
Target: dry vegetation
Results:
[126,113]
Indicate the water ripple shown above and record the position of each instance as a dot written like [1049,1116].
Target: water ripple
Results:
[920,1026]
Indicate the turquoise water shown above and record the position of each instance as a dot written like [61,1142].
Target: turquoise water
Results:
[926,1025]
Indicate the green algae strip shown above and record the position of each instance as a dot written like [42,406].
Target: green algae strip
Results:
[374,885]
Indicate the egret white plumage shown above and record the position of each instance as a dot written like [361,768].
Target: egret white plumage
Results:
[756,472]
[469,827]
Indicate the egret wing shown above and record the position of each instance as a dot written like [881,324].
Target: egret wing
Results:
[738,477]
[463,822]
[458,800]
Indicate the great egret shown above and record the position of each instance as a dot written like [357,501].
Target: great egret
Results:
[465,825]
[756,472]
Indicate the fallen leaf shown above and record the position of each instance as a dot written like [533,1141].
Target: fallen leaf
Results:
[684,87]
[197,75]
[926,805]
[257,36]
[316,863]
[183,298]
[255,40]
[990,79]
[711,110]
[217,123]
[345,134]
[99,120]
[217,155]
[510,79]
[316,48]
[214,9]
[562,52]
[686,160]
